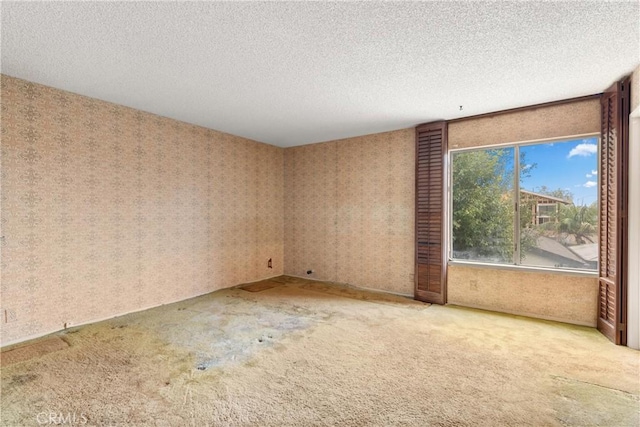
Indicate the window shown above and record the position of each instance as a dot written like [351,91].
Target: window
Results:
[546,212]
[546,217]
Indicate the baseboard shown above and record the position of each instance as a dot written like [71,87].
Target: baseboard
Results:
[364,288]
[523,314]
[75,325]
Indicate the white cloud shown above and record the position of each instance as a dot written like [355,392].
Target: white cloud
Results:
[594,172]
[583,150]
[588,175]
[525,167]
[590,184]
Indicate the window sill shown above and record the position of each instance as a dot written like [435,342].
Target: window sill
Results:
[526,268]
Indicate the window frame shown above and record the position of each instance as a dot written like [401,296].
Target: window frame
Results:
[515,265]
[542,213]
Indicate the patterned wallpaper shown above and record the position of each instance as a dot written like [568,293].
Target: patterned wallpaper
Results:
[310,217]
[547,122]
[349,213]
[567,298]
[107,210]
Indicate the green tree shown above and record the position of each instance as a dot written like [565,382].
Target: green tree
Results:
[529,233]
[483,204]
[559,193]
[581,222]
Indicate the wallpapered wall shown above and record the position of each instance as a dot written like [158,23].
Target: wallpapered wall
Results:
[561,297]
[349,215]
[107,210]
[349,211]
[553,121]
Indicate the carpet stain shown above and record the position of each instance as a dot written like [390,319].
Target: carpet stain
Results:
[260,286]
[31,350]
[22,379]
[583,403]
[309,354]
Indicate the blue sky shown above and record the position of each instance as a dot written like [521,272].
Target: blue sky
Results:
[570,165]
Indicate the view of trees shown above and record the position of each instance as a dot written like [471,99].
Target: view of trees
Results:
[482,219]
[483,210]
[559,193]
[577,222]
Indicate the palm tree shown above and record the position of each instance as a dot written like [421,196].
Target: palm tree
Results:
[581,222]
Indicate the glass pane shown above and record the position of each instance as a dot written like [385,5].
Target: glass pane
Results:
[482,205]
[559,204]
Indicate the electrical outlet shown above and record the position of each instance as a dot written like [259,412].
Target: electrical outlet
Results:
[10,315]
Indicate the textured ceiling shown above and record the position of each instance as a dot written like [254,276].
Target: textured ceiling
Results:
[296,73]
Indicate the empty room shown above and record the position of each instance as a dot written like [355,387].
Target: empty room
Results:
[320,214]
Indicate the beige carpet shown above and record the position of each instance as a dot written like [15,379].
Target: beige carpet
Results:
[298,353]
[32,350]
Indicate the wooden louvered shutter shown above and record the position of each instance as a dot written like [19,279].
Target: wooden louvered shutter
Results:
[614,177]
[431,147]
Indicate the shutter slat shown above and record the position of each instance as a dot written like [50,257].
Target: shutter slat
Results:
[612,247]
[430,261]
